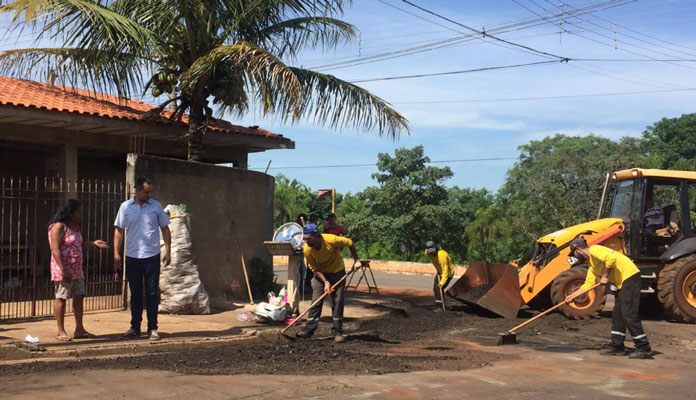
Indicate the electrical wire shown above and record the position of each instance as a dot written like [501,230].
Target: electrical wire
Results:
[484,34]
[613,38]
[597,41]
[637,32]
[510,26]
[375,164]
[466,71]
[569,96]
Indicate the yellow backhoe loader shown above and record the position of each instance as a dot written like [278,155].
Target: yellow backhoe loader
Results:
[663,248]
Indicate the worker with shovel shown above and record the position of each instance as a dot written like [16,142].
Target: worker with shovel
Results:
[444,267]
[612,266]
[323,255]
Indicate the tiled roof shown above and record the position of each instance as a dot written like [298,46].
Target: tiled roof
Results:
[42,96]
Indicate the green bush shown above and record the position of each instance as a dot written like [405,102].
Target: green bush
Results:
[260,277]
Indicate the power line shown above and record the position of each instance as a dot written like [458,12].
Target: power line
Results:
[483,69]
[465,71]
[484,34]
[569,96]
[511,26]
[375,164]
[638,33]
[604,36]
[562,29]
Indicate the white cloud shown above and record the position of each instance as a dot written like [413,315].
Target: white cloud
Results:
[438,118]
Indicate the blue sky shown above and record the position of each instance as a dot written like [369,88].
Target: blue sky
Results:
[621,29]
[647,29]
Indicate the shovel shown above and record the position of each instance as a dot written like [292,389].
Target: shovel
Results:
[442,298]
[510,337]
[299,317]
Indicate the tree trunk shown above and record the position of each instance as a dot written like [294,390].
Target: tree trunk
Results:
[196,129]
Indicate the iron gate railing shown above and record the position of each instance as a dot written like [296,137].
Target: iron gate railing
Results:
[26,204]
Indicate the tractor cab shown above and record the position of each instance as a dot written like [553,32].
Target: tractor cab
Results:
[657,208]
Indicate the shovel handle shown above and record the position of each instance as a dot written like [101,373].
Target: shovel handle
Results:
[442,299]
[547,311]
[299,317]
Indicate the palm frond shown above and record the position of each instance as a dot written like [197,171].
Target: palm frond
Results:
[340,104]
[290,36]
[259,66]
[90,35]
[76,67]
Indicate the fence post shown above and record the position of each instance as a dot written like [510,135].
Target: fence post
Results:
[34,269]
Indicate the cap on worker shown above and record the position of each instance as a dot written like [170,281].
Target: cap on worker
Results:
[578,242]
[310,228]
[431,247]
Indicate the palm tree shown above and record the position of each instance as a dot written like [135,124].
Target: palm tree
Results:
[203,54]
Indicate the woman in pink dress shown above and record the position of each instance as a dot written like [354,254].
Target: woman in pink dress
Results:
[66,243]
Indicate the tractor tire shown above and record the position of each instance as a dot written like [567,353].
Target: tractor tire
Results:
[584,307]
[676,289]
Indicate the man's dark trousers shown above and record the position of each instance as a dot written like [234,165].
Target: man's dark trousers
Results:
[625,315]
[137,271]
[336,300]
[436,286]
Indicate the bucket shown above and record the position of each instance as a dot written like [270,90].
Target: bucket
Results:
[492,286]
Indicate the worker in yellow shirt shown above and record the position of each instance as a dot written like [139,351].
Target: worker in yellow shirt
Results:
[611,266]
[443,265]
[323,254]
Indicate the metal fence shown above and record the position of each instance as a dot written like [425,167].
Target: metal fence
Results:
[26,205]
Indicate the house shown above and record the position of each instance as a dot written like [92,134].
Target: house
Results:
[58,142]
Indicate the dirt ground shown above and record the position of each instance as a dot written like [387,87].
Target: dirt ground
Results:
[412,335]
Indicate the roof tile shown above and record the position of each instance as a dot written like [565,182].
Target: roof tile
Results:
[30,94]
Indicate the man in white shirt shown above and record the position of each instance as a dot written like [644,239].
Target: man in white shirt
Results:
[142,218]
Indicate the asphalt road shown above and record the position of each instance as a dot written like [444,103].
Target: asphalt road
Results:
[384,279]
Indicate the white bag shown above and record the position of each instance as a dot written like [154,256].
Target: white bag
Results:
[181,288]
[269,311]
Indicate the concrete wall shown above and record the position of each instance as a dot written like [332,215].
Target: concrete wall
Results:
[215,197]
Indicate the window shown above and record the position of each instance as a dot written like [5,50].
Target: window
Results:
[692,206]
[623,198]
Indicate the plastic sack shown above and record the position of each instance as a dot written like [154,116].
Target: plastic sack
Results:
[272,312]
[181,288]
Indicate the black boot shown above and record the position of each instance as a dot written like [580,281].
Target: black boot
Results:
[304,334]
[611,350]
[641,354]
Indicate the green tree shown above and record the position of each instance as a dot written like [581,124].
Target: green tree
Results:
[409,201]
[291,199]
[488,236]
[464,205]
[671,143]
[356,216]
[219,53]
[558,182]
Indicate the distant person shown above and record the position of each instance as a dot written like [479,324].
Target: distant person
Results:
[65,240]
[305,273]
[654,217]
[443,266]
[611,266]
[324,259]
[333,227]
[302,220]
[314,219]
[142,218]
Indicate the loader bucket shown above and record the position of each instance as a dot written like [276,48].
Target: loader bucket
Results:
[492,286]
